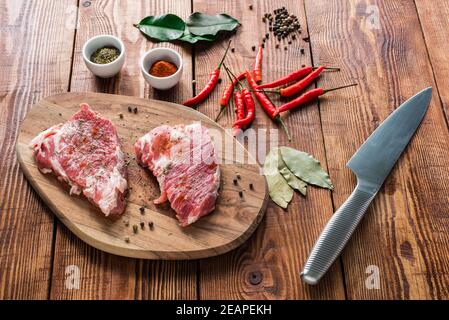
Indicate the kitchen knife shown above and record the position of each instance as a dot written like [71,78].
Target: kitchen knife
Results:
[371,164]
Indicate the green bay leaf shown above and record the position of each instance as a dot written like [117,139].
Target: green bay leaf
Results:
[188,37]
[280,191]
[202,24]
[166,27]
[306,167]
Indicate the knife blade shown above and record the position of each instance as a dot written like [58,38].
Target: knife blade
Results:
[371,164]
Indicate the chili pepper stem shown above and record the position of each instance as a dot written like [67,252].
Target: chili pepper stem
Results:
[265,91]
[224,56]
[279,119]
[230,78]
[284,126]
[338,88]
[233,75]
[220,113]
[328,68]
[227,72]
[325,91]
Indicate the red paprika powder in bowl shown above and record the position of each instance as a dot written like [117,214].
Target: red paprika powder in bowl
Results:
[161,68]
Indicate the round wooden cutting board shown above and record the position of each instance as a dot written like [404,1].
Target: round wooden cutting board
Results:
[233,221]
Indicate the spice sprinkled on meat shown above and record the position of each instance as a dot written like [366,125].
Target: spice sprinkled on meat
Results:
[85,153]
[182,158]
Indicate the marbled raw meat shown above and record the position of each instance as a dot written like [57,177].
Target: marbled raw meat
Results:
[183,160]
[85,153]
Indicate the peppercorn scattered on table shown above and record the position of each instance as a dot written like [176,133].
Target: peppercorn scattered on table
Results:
[391,52]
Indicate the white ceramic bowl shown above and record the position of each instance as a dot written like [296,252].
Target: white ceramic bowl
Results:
[104,70]
[150,57]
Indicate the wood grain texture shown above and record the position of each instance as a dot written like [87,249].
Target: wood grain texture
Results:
[234,217]
[31,68]
[117,18]
[268,266]
[404,233]
[435,26]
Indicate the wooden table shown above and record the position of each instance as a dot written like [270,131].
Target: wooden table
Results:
[392,49]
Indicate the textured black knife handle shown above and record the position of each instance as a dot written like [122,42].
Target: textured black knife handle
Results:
[335,235]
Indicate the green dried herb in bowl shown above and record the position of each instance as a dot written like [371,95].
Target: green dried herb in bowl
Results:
[105,55]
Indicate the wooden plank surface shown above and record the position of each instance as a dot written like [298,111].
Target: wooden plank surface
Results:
[434,21]
[404,233]
[105,276]
[31,68]
[268,266]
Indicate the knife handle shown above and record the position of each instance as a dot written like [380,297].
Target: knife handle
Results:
[335,235]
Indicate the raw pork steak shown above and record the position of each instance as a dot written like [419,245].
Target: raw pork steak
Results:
[183,160]
[85,153]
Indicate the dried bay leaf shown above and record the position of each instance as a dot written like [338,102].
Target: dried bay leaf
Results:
[292,180]
[306,167]
[280,191]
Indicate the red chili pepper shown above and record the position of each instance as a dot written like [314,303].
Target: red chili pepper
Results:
[295,75]
[250,111]
[266,104]
[226,95]
[302,84]
[227,92]
[213,79]
[239,105]
[308,96]
[258,66]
